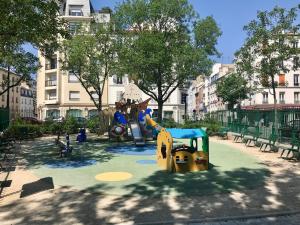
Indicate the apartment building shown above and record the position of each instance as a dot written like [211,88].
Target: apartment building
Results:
[212,103]
[14,93]
[26,104]
[60,94]
[287,93]
[195,99]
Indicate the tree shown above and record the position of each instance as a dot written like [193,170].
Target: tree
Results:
[163,45]
[232,89]
[270,48]
[27,21]
[31,21]
[21,63]
[91,57]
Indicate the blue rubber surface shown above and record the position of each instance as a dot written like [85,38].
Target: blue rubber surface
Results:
[65,164]
[132,150]
[146,161]
[186,133]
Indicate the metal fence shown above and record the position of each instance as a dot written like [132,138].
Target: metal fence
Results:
[237,120]
[4,118]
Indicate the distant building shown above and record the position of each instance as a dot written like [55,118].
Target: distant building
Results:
[212,102]
[14,93]
[27,108]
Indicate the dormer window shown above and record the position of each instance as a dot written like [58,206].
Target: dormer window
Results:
[75,10]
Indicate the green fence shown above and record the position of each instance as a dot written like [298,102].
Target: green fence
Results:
[237,120]
[4,119]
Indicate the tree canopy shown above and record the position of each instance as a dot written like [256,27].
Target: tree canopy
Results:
[232,89]
[91,57]
[270,48]
[31,21]
[163,45]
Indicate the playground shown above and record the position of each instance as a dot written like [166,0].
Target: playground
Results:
[142,172]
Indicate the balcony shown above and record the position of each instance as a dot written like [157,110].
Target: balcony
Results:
[296,84]
[51,101]
[51,66]
[50,83]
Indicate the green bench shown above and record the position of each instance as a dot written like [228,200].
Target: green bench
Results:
[293,148]
[223,132]
[270,142]
[252,134]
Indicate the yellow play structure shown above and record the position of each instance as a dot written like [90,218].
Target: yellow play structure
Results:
[178,157]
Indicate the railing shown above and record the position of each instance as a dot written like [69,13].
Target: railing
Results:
[51,66]
[50,83]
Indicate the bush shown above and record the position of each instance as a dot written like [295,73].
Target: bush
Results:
[23,130]
[212,126]
[70,125]
[93,124]
[169,123]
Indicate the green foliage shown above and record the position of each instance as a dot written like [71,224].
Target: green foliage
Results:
[31,21]
[232,89]
[270,47]
[169,123]
[159,53]
[91,57]
[16,60]
[212,126]
[93,124]
[21,131]
[71,125]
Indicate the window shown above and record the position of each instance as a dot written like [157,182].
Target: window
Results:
[119,96]
[95,95]
[265,98]
[74,113]
[17,89]
[117,79]
[281,79]
[72,78]
[168,114]
[296,79]
[53,113]
[74,95]
[92,113]
[17,100]
[75,10]
[74,27]
[296,97]
[51,95]
[281,97]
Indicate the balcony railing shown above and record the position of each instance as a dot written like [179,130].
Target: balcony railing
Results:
[281,101]
[50,83]
[51,66]
[265,102]
[297,102]
[296,84]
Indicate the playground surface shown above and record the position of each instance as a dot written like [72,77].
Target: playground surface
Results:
[113,184]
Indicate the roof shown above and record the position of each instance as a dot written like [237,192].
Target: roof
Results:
[266,107]
[186,133]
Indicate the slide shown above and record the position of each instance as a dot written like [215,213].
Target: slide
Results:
[136,133]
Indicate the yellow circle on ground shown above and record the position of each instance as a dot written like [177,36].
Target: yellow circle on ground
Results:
[113,176]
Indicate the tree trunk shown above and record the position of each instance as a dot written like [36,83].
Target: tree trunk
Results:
[8,84]
[275,106]
[160,110]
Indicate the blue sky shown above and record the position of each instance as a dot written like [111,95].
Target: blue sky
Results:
[231,16]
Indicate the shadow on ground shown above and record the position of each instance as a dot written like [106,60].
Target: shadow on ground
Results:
[148,201]
[40,152]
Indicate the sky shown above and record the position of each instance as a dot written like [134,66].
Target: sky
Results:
[230,15]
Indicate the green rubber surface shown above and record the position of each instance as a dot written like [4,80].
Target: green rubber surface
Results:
[231,170]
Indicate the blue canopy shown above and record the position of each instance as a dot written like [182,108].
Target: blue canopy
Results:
[186,133]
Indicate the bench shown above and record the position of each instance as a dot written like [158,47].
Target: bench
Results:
[270,142]
[251,135]
[223,132]
[293,148]
[238,136]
